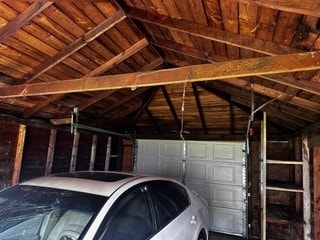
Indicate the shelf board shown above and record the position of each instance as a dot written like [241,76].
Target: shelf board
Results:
[282,214]
[273,161]
[283,186]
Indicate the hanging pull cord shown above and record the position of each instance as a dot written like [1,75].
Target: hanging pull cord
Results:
[184,152]
[182,111]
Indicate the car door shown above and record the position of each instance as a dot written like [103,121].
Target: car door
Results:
[131,217]
[175,216]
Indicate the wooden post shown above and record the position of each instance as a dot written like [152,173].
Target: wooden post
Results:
[108,154]
[316,186]
[93,152]
[306,188]
[74,154]
[298,173]
[19,155]
[52,145]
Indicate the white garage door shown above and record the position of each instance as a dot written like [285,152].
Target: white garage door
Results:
[216,170]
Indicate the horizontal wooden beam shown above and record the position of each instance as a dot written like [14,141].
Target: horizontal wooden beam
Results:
[196,73]
[237,40]
[308,86]
[308,7]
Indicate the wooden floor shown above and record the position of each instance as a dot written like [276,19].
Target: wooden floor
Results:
[219,236]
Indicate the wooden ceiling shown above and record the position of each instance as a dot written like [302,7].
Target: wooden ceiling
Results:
[151,66]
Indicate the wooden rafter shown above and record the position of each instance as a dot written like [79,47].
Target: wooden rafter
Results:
[171,107]
[96,72]
[231,110]
[308,7]
[188,51]
[146,102]
[153,120]
[122,115]
[122,101]
[242,100]
[199,106]
[237,40]
[243,106]
[23,18]
[196,73]
[73,47]
[241,95]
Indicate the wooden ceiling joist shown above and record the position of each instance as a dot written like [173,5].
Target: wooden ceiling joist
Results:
[308,86]
[196,73]
[73,47]
[23,18]
[233,39]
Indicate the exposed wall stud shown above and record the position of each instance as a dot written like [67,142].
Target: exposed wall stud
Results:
[74,154]
[19,155]
[93,152]
[52,144]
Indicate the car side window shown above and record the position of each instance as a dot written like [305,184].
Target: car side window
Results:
[170,200]
[130,218]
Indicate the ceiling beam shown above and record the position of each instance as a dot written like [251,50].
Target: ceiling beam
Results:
[237,40]
[196,73]
[73,47]
[308,86]
[22,19]
[307,7]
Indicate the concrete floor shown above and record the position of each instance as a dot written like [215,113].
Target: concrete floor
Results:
[219,236]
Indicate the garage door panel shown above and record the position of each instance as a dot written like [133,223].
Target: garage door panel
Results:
[149,168]
[226,174]
[172,169]
[149,149]
[227,152]
[226,196]
[197,172]
[171,149]
[227,221]
[199,151]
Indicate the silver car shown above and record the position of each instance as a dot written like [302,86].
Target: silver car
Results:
[102,205]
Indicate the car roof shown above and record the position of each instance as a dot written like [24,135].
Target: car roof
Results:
[94,182]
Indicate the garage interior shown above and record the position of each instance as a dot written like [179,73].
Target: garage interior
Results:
[83,81]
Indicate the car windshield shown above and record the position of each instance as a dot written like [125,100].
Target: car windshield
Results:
[39,213]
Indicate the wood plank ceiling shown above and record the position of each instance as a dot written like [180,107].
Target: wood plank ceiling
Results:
[134,65]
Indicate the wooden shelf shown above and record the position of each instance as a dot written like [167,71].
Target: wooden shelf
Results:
[282,214]
[283,186]
[273,161]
